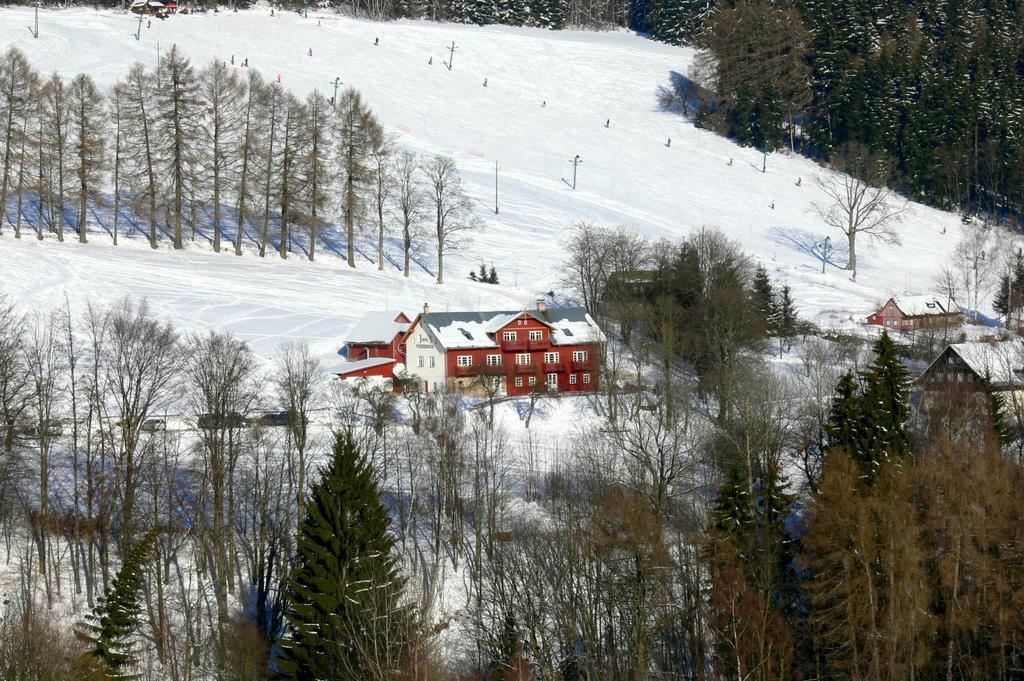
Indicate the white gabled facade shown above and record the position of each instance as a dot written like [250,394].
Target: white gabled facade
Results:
[424,358]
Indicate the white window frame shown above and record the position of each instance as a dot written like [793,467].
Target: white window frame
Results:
[431,361]
[537,334]
[494,360]
[579,356]
[523,359]
[548,358]
[533,381]
[510,335]
[419,361]
[552,381]
[572,379]
[464,360]
[519,381]
[586,379]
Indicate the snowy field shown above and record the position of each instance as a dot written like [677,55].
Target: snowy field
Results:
[547,98]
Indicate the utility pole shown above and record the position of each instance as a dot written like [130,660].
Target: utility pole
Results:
[138,33]
[575,164]
[334,99]
[451,56]
[35,31]
[495,187]
[826,248]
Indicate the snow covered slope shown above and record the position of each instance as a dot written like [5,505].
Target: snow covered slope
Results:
[547,98]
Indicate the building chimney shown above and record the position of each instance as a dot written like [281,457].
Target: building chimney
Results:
[541,305]
[426,308]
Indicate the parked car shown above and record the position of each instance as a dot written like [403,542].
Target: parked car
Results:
[35,429]
[275,419]
[231,419]
[153,426]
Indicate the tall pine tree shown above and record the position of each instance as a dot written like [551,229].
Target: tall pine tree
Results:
[843,429]
[345,616]
[113,623]
[886,408]
[763,297]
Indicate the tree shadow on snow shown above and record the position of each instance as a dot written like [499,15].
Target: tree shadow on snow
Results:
[810,243]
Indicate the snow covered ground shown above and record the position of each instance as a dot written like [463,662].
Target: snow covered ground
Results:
[547,98]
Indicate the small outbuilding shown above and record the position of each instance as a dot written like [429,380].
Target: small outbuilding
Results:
[914,312]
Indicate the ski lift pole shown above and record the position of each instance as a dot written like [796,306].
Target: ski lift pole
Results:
[138,33]
[826,248]
[35,33]
[334,99]
[575,164]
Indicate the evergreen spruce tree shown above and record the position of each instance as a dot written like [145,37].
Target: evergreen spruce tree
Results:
[997,406]
[843,428]
[773,562]
[884,409]
[744,118]
[344,612]
[786,320]
[763,298]
[492,276]
[767,125]
[113,623]
[1009,295]
[731,514]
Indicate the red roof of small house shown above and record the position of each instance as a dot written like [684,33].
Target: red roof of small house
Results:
[374,366]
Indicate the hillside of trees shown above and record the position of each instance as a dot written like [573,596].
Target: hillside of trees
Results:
[716,519]
[934,90]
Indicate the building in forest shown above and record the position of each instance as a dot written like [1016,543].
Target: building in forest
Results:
[972,366]
[914,312]
[501,352]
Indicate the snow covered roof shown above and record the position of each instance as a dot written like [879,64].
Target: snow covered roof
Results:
[919,306]
[378,328]
[1002,363]
[569,326]
[567,329]
[360,365]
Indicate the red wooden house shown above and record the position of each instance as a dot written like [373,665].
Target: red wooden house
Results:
[913,312]
[373,346]
[517,352]
[378,334]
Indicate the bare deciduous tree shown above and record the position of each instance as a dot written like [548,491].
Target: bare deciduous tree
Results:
[358,133]
[383,186]
[88,140]
[410,203]
[222,92]
[453,216]
[859,203]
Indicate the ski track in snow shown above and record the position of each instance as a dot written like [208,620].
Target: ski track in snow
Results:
[628,176]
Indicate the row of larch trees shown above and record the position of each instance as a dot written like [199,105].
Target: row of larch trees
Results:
[220,153]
